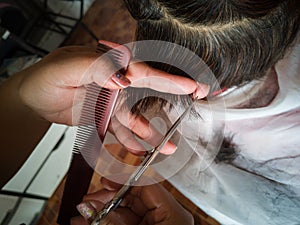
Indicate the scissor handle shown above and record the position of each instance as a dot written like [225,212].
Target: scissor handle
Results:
[153,153]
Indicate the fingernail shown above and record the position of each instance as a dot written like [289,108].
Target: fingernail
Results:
[87,210]
[120,80]
[169,148]
[201,91]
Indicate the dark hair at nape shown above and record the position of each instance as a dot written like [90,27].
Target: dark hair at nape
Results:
[239,40]
[238,46]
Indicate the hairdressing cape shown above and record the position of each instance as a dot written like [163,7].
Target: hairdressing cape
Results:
[261,185]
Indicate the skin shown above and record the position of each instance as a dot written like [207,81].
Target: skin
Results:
[143,205]
[44,93]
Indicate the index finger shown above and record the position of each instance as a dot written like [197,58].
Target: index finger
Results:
[142,75]
[153,196]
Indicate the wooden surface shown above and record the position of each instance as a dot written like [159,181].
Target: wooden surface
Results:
[110,20]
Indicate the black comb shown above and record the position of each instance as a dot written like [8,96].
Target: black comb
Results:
[94,119]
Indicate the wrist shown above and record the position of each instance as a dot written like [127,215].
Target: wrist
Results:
[21,129]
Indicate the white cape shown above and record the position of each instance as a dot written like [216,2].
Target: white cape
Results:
[262,184]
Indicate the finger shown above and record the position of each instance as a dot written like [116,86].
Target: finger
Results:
[103,195]
[161,206]
[135,204]
[89,208]
[130,201]
[155,216]
[142,75]
[143,129]
[136,123]
[108,184]
[142,202]
[125,137]
[121,56]
[89,66]
[79,220]
[103,72]
[121,216]
[154,202]
[153,195]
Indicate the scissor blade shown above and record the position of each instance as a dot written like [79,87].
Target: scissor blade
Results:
[174,127]
[140,171]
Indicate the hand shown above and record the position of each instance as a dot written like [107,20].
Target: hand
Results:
[49,86]
[143,205]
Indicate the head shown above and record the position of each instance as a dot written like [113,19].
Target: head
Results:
[239,40]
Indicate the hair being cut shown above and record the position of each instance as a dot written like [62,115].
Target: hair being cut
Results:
[239,39]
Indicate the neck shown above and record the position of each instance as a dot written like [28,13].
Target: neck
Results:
[265,94]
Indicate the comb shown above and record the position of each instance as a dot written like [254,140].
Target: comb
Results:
[97,109]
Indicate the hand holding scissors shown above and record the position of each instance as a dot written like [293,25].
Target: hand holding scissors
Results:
[117,199]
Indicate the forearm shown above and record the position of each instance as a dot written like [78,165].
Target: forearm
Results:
[21,129]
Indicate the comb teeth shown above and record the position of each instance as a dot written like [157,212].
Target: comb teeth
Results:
[97,109]
[95,116]
[114,55]
[96,112]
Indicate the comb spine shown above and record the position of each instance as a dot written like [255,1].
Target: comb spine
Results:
[79,177]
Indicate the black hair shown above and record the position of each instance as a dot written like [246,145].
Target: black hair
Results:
[239,40]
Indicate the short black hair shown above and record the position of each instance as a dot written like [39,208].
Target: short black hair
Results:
[239,40]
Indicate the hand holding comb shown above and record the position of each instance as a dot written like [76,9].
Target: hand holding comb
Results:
[98,106]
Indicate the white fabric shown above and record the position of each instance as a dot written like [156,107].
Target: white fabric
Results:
[262,185]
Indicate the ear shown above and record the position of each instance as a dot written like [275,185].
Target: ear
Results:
[144,9]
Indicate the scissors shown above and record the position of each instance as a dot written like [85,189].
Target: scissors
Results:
[117,199]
